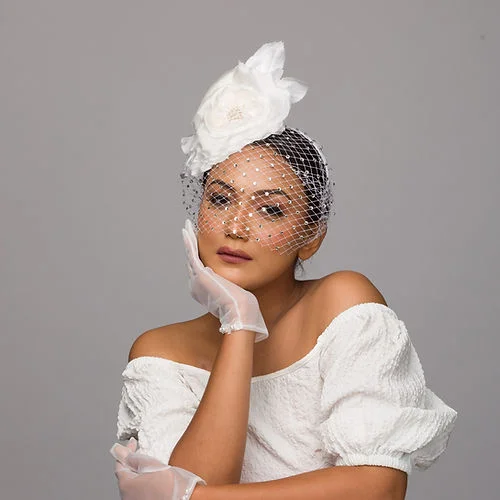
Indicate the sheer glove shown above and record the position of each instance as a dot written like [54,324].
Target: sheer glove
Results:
[236,308]
[141,477]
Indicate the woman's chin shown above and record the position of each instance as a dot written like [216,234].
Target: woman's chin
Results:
[238,276]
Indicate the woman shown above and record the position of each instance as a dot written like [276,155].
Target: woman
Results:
[314,387]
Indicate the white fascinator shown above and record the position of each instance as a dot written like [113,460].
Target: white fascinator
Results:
[247,103]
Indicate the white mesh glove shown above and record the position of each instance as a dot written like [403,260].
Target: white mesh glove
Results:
[236,308]
[141,477]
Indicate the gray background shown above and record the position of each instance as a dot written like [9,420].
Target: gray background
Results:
[95,96]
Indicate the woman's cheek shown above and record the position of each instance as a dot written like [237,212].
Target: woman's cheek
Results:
[280,239]
[209,219]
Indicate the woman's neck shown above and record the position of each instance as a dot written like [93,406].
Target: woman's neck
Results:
[276,298]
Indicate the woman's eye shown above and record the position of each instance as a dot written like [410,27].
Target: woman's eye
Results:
[272,210]
[218,199]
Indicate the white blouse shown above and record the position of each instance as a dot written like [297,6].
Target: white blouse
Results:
[359,397]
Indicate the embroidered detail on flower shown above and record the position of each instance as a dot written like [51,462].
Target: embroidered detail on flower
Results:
[247,103]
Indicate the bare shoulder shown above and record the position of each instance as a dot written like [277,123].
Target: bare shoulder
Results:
[189,342]
[338,291]
[157,341]
[348,288]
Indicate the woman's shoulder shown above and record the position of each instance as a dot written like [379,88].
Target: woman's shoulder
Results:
[336,292]
[192,342]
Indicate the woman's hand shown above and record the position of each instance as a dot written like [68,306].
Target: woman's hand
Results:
[141,477]
[236,308]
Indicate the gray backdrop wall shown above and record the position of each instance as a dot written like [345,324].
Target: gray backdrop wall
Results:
[95,96]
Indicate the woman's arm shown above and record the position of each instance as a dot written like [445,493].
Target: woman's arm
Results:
[333,483]
[213,444]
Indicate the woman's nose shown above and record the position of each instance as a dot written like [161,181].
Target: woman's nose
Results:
[236,223]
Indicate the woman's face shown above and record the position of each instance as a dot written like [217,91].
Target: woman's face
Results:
[253,203]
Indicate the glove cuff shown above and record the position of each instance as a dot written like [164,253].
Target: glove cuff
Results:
[228,328]
[231,327]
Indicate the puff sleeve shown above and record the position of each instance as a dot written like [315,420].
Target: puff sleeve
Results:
[375,406]
[156,406]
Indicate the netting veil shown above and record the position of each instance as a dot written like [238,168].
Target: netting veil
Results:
[247,174]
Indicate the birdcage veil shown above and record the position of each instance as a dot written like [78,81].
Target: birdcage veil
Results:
[249,174]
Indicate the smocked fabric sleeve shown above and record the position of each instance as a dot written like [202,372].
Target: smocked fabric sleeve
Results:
[156,406]
[375,406]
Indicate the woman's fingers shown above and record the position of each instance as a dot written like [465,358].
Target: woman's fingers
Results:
[123,473]
[120,452]
[129,461]
[187,246]
[132,443]
[191,245]
[142,463]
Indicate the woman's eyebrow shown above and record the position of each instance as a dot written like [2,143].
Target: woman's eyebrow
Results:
[266,192]
[260,192]
[223,184]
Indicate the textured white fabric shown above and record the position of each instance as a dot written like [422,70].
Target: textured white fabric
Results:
[358,397]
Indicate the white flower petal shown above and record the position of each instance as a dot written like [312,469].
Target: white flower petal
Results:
[187,143]
[267,59]
[296,88]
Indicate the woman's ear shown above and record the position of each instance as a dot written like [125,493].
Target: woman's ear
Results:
[309,249]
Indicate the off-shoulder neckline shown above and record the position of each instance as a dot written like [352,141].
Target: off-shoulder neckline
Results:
[341,317]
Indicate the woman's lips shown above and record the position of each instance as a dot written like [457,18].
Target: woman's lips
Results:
[233,256]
